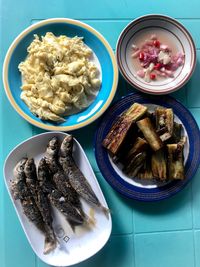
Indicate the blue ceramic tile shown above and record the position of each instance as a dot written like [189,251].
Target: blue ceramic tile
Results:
[173,249]
[197,247]
[196,200]
[40,263]
[105,27]
[15,128]
[193,99]
[121,208]
[85,136]
[192,25]
[100,9]
[165,215]
[181,95]
[196,113]
[117,252]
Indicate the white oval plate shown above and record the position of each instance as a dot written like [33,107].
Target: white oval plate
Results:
[73,247]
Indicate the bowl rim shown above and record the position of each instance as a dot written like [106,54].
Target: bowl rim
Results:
[32,120]
[177,24]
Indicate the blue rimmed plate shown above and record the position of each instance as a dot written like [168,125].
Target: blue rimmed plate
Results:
[103,54]
[148,190]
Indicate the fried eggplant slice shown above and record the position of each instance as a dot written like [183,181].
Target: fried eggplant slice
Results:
[126,145]
[135,164]
[120,128]
[159,165]
[176,135]
[164,119]
[146,172]
[150,134]
[139,146]
[175,161]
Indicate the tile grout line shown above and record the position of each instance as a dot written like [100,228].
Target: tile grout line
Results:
[36,261]
[133,244]
[121,234]
[193,232]
[164,231]
[112,19]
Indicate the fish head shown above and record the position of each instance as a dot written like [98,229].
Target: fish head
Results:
[66,146]
[19,168]
[53,147]
[42,168]
[30,166]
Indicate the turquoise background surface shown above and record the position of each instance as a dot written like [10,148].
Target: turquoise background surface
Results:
[165,234]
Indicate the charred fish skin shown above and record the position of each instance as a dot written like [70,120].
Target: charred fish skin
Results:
[59,178]
[66,147]
[44,177]
[18,186]
[42,203]
[71,214]
[31,176]
[76,177]
[67,190]
[48,187]
[51,155]
[22,192]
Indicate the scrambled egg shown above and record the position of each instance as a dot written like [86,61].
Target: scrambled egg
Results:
[58,76]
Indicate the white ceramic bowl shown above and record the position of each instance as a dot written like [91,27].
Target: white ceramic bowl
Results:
[82,244]
[176,34]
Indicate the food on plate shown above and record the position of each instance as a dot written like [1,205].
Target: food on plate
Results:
[176,160]
[156,59]
[58,182]
[156,145]
[120,128]
[164,122]
[76,178]
[58,76]
[159,165]
[21,190]
[176,135]
[150,134]
[42,203]
[69,211]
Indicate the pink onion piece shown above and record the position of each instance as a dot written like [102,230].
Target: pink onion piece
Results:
[136,54]
[141,73]
[157,55]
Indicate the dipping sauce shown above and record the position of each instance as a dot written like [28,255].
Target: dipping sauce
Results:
[155,58]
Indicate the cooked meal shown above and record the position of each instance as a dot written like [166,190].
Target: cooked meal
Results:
[56,182]
[149,145]
[58,76]
[156,59]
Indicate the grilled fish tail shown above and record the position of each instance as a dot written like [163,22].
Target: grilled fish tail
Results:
[50,244]
[106,211]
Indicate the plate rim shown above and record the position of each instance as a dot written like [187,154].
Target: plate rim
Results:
[148,197]
[32,120]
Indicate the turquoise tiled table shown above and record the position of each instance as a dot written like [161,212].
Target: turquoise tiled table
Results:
[165,234]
